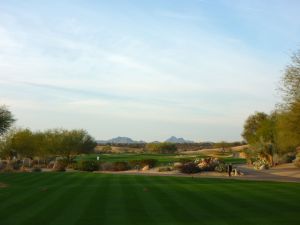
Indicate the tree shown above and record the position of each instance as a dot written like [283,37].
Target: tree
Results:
[67,143]
[260,133]
[289,110]
[6,119]
[253,126]
[23,143]
[290,82]
[164,147]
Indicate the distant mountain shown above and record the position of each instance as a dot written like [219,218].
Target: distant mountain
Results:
[119,140]
[176,140]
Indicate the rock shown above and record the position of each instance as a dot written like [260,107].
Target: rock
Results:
[262,167]
[145,168]
[177,165]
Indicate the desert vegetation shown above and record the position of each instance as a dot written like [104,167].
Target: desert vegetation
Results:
[274,138]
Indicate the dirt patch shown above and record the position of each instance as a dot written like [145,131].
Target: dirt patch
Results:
[3,185]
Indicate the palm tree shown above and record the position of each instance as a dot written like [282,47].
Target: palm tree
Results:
[6,119]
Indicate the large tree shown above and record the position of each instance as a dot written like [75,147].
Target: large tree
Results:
[6,119]
[69,143]
[290,82]
[289,110]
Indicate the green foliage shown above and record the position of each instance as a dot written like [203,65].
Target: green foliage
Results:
[221,168]
[164,148]
[69,143]
[6,119]
[87,165]
[254,127]
[290,82]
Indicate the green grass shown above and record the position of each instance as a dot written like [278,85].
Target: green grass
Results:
[162,159]
[103,199]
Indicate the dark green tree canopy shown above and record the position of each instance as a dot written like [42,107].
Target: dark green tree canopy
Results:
[6,119]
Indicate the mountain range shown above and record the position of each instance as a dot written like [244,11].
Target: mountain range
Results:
[127,140]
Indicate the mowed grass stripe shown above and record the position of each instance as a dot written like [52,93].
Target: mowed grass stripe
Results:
[158,205]
[33,180]
[56,205]
[21,194]
[215,201]
[135,193]
[263,201]
[203,207]
[35,199]
[94,212]
[173,201]
[115,212]
[74,201]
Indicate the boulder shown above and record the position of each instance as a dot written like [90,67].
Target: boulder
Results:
[145,168]
[177,165]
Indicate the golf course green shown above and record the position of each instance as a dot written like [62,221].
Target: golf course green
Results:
[90,199]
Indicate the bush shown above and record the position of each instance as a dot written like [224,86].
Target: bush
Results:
[261,164]
[287,158]
[207,164]
[3,164]
[106,166]
[60,165]
[221,168]
[14,165]
[164,147]
[87,165]
[120,166]
[144,162]
[190,168]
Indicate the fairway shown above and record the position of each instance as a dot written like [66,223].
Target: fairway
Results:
[91,199]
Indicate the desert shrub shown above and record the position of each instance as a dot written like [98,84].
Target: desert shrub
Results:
[164,147]
[261,164]
[164,169]
[2,165]
[106,166]
[143,162]
[36,169]
[207,164]
[221,168]
[8,169]
[120,166]
[149,162]
[14,165]
[190,168]
[287,158]
[87,165]
[60,165]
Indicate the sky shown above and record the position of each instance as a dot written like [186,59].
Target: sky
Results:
[146,69]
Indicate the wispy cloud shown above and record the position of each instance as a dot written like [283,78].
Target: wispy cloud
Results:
[175,68]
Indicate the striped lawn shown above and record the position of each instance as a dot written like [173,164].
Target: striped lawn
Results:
[91,199]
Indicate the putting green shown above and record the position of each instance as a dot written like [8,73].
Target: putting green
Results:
[92,199]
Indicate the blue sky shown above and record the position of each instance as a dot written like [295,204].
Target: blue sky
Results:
[145,69]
